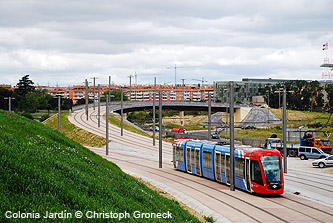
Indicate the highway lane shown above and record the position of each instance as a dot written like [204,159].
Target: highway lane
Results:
[136,156]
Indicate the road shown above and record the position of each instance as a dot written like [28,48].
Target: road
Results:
[135,155]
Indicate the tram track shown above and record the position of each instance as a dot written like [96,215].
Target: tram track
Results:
[134,135]
[115,129]
[315,176]
[79,116]
[311,185]
[194,184]
[234,197]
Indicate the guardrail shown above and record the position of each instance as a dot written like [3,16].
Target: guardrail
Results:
[115,105]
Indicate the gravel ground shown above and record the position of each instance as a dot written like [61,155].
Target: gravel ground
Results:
[306,165]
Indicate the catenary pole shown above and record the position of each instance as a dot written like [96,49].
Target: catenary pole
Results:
[59,109]
[284,129]
[160,130]
[87,98]
[232,155]
[154,111]
[209,115]
[284,125]
[122,112]
[109,87]
[99,105]
[107,125]
[94,78]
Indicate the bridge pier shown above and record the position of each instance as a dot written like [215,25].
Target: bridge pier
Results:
[182,119]
[239,115]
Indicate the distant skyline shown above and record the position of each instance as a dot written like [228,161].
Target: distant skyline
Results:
[64,42]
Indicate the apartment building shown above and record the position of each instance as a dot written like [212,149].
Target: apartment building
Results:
[170,93]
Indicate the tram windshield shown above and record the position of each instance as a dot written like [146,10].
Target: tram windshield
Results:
[271,166]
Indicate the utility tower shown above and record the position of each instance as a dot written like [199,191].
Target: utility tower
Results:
[327,67]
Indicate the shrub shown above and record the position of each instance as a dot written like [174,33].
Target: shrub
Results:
[27,115]
[44,117]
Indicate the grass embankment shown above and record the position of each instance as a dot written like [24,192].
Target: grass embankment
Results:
[116,120]
[302,118]
[42,170]
[73,132]
[191,122]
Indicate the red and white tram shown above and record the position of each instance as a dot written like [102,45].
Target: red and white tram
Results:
[256,170]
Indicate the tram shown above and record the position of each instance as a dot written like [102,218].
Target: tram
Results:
[256,170]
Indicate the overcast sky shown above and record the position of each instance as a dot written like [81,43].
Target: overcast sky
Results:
[66,41]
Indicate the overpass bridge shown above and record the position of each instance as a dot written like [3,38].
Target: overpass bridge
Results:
[241,110]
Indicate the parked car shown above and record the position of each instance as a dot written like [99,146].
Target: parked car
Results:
[305,152]
[156,128]
[328,161]
[179,130]
[249,127]
[215,135]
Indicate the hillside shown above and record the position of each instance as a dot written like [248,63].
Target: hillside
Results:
[43,171]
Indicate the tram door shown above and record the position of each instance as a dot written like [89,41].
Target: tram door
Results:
[174,157]
[188,159]
[247,173]
[197,161]
[227,168]
[218,166]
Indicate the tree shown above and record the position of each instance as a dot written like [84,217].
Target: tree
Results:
[25,86]
[329,91]
[306,95]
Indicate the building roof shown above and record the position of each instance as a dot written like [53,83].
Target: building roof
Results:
[327,65]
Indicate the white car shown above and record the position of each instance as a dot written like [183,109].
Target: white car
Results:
[328,161]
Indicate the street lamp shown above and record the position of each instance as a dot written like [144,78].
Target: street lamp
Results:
[130,85]
[9,103]
[284,126]
[94,78]
[268,91]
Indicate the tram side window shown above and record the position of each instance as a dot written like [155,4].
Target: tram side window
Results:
[239,167]
[207,160]
[222,163]
[255,172]
[179,154]
[192,156]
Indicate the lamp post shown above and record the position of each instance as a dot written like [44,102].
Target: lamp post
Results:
[94,78]
[9,103]
[183,84]
[130,85]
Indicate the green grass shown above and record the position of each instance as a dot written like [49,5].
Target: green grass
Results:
[73,132]
[209,219]
[44,112]
[42,170]
[116,120]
